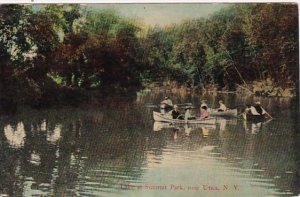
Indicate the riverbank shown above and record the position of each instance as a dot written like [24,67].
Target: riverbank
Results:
[265,88]
[49,95]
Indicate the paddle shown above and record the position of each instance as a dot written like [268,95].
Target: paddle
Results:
[268,114]
[267,121]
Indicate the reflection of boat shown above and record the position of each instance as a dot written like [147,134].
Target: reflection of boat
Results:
[54,136]
[158,126]
[187,130]
[256,127]
[205,132]
[229,121]
[253,128]
[227,113]
[222,123]
[15,135]
[162,118]
[182,105]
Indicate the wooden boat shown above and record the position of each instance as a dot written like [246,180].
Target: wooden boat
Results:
[182,105]
[165,118]
[254,118]
[227,113]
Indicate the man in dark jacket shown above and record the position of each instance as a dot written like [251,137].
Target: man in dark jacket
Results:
[176,114]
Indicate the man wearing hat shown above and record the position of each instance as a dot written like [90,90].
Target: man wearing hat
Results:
[203,112]
[166,105]
[222,106]
[167,101]
[203,104]
[187,114]
[258,108]
[175,113]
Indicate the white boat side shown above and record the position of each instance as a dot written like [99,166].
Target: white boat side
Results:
[228,113]
[161,118]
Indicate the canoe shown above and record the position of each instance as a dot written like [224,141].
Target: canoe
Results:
[166,118]
[227,113]
[182,105]
[254,118]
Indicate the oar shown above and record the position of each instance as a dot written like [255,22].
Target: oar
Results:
[268,113]
[267,121]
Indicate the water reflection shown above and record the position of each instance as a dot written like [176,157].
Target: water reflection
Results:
[205,132]
[254,127]
[15,135]
[91,152]
[222,123]
[187,130]
[35,158]
[175,130]
[54,135]
[158,126]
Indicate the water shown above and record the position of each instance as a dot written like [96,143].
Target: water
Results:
[117,150]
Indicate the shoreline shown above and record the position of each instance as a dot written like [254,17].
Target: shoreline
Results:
[256,88]
[79,97]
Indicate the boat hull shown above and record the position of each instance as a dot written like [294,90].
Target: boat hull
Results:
[227,113]
[163,118]
[254,118]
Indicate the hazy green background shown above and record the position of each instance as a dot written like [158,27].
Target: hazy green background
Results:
[162,14]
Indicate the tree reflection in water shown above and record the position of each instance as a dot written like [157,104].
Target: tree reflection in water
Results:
[73,152]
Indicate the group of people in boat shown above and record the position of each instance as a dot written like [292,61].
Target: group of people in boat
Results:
[204,113]
[177,115]
[254,110]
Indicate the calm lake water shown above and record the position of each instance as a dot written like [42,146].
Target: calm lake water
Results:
[117,150]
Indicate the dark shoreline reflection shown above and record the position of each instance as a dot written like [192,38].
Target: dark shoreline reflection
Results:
[91,151]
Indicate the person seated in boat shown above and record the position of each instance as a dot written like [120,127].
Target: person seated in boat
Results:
[252,110]
[203,104]
[222,106]
[247,109]
[176,114]
[203,112]
[187,114]
[167,102]
[259,109]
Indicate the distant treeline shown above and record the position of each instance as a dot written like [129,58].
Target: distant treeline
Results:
[58,53]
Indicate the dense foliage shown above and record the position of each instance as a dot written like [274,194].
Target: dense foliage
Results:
[53,53]
[240,44]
